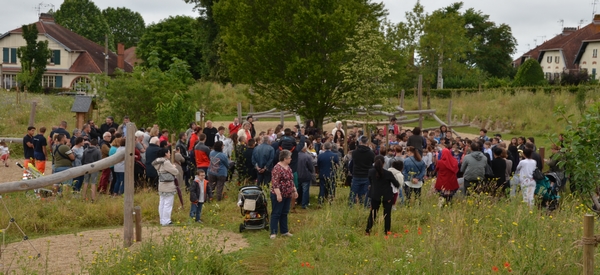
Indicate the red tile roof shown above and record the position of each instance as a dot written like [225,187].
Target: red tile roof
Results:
[131,57]
[569,44]
[535,52]
[91,59]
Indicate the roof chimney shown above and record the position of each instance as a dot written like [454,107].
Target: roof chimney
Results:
[596,22]
[46,17]
[121,56]
[569,30]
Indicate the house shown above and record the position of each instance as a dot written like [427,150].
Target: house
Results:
[573,50]
[74,57]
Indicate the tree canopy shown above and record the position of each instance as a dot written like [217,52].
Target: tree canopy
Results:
[292,51]
[175,37]
[126,25]
[138,94]
[34,58]
[84,18]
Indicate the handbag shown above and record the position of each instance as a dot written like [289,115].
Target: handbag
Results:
[537,174]
[165,177]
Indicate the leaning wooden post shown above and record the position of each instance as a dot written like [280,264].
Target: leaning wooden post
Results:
[281,118]
[129,185]
[138,223]
[588,246]
[420,95]
[449,115]
[32,114]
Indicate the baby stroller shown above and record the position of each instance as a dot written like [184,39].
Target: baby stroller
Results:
[253,206]
[548,192]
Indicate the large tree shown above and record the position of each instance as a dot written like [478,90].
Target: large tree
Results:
[494,47]
[292,51]
[443,46]
[139,94]
[175,37]
[211,41]
[34,58]
[126,25]
[84,18]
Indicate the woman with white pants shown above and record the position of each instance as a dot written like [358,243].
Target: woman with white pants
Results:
[166,185]
[525,171]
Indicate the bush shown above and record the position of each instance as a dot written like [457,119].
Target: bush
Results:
[530,74]
[574,78]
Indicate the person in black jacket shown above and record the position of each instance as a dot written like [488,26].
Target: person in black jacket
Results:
[362,161]
[380,191]
[499,168]
[151,155]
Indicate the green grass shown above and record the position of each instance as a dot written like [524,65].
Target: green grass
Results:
[469,237]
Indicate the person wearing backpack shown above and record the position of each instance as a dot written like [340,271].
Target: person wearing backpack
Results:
[63,158]
[217,172]
[90,155]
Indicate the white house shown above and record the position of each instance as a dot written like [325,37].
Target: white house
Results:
[74,57]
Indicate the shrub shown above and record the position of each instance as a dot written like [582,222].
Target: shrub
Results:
[530,74]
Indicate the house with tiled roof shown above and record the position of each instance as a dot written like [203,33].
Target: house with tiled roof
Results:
[587,56]
[74,57]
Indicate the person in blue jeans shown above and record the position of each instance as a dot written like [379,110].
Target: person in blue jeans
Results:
[327,162]
[362,160]
[198,194]
[283,192]
[306,174]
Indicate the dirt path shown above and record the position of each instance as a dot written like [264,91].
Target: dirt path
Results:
[67,254]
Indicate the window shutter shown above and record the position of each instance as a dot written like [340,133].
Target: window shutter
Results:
[13,55]
[58,81]
[56,55]
[5,54]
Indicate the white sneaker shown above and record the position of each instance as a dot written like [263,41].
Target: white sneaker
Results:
[394,208]
[273,236]
[287,234]
[441,202]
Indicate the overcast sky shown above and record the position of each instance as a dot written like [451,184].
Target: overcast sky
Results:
[532,21]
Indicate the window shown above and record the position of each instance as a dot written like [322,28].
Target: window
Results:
[595,53]
[556,59]
[556,76]
[48,81]
[81,84]
[9,55]
[594,73]
[549,59]
[9,81]
[55,57]
[548,76]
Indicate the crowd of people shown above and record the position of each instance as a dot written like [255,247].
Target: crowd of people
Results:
[386,167]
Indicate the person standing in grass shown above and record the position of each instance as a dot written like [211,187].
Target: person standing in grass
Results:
[39,150]
[381,192]
[90,155]
[198,195]
[28,147]
[217,173]
[414,172]
[166,185]
[446,183]
[283,192]
[525,171]
[119,186]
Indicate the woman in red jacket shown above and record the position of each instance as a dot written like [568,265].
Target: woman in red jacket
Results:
[446,183]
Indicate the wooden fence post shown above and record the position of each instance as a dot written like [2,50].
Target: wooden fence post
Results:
[129,185]
[402,98]
[138,223]
[420,95]
[32,114]
[542,152]
[281,117]
[588,247]
[239,112]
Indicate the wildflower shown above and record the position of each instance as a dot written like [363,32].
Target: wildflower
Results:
[515,224]
[495,268]
[386,237]
[295,251]
[506,265]
[406,231]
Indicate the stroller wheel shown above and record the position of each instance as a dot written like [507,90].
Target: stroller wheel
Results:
[242,227]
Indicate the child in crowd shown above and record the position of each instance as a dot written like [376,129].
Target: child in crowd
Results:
[198,194]
[487,149]
[4,153]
